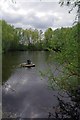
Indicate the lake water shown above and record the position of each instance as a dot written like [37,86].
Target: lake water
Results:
[24,93]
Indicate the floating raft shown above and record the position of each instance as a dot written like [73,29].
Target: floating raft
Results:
[27,65]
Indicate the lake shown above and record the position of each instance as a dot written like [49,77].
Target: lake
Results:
[25,94]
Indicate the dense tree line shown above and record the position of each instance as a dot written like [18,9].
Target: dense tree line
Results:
[29,39]
[20,39]
[10,38]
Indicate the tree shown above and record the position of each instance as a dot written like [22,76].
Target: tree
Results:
[48,36]
[35,36]
[73,4]
[10,39]
[0,36]
[70,79]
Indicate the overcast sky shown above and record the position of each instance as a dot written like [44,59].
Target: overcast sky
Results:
[39,15]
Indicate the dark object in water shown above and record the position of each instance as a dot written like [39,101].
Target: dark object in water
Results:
[28,61]
[27,65]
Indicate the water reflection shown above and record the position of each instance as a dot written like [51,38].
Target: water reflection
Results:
[25,95]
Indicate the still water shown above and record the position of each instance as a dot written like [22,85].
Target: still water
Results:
[25,94]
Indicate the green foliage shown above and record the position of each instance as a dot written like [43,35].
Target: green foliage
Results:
[0,36]
[68,57]
[9,37]
[48,36]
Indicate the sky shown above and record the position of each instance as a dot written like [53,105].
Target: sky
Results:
[36,14]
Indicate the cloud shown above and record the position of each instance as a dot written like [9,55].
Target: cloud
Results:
[40,15]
